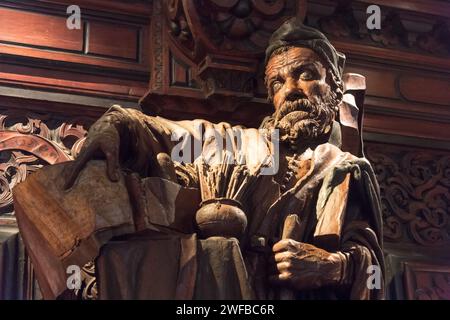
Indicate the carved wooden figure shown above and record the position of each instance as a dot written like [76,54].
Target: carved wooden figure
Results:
[212,223]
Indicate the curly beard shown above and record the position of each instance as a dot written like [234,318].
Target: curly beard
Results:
[303,122]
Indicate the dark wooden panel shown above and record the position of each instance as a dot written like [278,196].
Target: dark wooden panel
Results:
[380,123]
[108,57]
[113,40]
[180,73]
[35,33]
[69,60]
[72,82]
[414,191]
[39,30]
[424,89]
[381,83]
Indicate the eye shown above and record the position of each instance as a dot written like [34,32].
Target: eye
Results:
[276,85]
[307,75]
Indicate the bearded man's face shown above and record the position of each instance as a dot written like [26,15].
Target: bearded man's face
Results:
[305,105]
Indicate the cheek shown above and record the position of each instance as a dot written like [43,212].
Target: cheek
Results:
[277,101]
[317,89]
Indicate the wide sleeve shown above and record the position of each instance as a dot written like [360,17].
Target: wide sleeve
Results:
[361,239]
[349,207]
[147,144]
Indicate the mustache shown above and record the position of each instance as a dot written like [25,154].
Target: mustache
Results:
[303,121]
[287,107]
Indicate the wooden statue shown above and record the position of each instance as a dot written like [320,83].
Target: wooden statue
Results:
[209,224]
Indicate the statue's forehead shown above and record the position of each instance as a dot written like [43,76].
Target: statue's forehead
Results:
[296,55]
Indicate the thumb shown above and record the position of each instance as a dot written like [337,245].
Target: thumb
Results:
[291,227]
[165,167]
[112,163]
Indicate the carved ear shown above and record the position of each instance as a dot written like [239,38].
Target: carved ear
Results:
[351,112]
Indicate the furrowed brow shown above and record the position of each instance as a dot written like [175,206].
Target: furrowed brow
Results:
[277,74]
[302,65]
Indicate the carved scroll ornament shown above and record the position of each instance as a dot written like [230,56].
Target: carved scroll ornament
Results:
[28,142]
[415,190]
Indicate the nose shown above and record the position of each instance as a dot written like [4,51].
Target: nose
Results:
[292,90]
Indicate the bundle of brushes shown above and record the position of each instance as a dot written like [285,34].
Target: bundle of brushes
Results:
[225,187]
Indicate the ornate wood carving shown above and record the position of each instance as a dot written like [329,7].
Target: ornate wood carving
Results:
[156,81]
[236,28]
[427,281]
[342,23]
[399,29]
[437,40]
[415,190]
[393,32]
[29,141]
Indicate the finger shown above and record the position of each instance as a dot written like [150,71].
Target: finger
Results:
[283,256]
[77,165]
[284,245]
[166,167]
[291,228]
[112,163]
[283,266]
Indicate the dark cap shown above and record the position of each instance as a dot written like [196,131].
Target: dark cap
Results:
[294,33]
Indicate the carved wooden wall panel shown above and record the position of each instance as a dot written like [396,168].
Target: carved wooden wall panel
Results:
[427,281]
[415,188]
[415,194]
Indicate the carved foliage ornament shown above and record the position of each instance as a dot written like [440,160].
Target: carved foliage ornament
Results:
[415,190]
[29,141]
